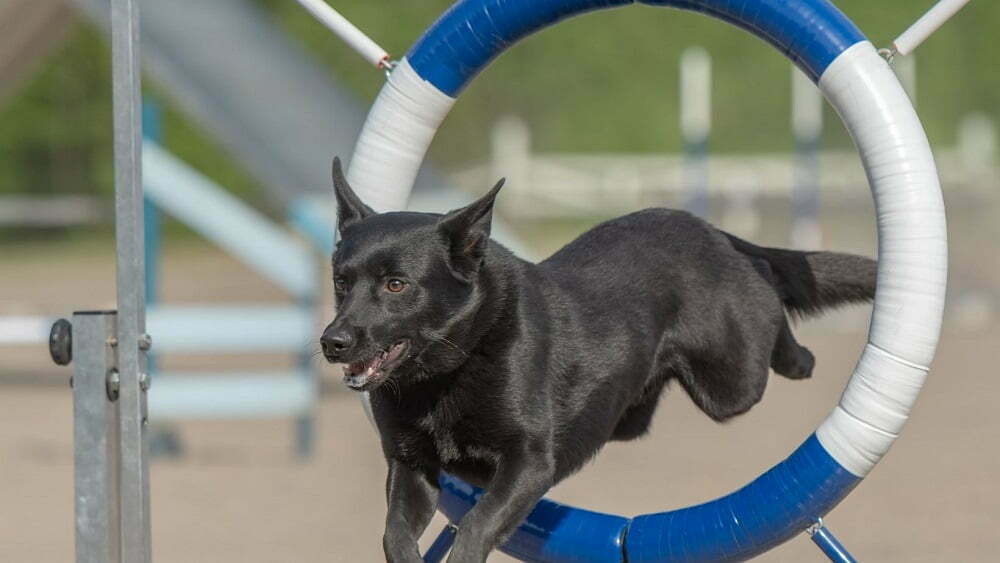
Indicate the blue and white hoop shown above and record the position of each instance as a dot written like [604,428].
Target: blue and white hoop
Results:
[906,318]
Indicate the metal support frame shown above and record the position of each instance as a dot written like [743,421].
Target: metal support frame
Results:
[829,544]
[696,126]
[95,440]
[807,127]
[305,424]
[152,236]
[102,455]
[442,544]
[132,458]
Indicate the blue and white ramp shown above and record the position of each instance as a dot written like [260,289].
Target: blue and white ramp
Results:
[908,307]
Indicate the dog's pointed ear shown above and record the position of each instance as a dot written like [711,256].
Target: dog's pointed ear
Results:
[350,209]
[467,232]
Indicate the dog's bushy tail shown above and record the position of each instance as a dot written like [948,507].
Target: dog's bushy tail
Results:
[810,282]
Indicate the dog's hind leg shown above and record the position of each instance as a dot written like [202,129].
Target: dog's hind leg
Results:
[789,358]
[724,380]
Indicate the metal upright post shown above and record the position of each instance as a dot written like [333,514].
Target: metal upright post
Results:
[152,130]
[132,340]
[906,71]
[807,126]
[696,125]
[95,437]
[305,423]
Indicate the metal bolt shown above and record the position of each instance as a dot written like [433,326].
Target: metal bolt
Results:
[112,341]
[888,54]
[61,342]
[144,381]
[113,384]
[145,341]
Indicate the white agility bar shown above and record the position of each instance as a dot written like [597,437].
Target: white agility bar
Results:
[24,329]
[227,221]
[214,329]
[229,396]
[926,25]
[347,32]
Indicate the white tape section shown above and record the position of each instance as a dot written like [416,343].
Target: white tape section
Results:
[909,302]
[399,128]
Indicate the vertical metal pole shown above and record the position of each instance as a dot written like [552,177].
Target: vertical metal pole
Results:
[305,423]
[131,358]
[807,126]
[906,71]
[163,441]
[510,157]
[95,440]
[696,123]
[152,130]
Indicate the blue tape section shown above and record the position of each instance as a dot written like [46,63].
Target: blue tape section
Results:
[776,506]
[552,533]
[472,32]
[812,33]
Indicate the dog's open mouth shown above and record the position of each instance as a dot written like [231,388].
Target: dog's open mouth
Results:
[365,375]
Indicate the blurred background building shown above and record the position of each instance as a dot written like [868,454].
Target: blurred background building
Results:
[262,456]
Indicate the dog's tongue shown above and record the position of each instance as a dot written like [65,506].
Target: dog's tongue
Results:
[373,366]
[394,352]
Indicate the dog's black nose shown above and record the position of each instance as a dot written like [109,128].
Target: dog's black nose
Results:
[336,342]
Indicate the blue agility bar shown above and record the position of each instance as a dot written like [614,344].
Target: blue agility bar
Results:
[812,33]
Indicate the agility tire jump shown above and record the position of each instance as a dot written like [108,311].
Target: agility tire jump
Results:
[909,302]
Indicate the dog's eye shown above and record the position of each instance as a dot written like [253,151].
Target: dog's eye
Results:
[339,283]
[395,285]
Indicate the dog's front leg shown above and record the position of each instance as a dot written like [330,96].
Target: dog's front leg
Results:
[518,483]
[412,498]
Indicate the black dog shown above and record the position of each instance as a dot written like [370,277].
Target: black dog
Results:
[512,375]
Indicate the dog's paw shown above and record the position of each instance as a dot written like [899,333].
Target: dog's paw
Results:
[804,364]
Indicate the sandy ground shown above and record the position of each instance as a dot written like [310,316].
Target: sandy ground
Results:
[240,495]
